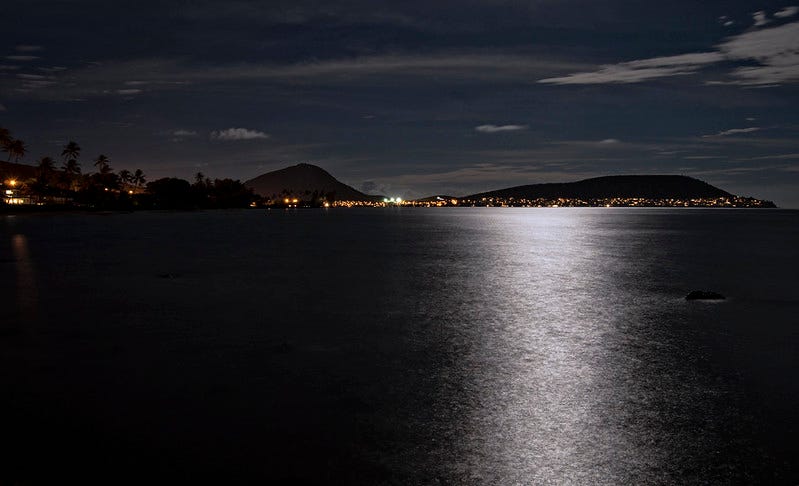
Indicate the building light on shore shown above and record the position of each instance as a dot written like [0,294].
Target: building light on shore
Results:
[12,182]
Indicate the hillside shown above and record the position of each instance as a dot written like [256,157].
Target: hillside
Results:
[626,186]
[303,180]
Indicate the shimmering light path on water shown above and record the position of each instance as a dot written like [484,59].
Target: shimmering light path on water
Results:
[402,346]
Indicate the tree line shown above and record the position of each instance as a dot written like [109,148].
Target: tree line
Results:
[68,186]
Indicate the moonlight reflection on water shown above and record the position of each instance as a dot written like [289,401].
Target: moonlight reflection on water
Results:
[403,346]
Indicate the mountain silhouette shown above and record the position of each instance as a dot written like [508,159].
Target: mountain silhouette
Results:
[302,180]
[623,186]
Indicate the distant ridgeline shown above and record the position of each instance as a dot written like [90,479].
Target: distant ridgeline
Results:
[625,190]
[309,185]
[306,185]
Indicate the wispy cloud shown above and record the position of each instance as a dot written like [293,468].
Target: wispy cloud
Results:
[773,51]
[760,18]
[641,70]
[128,91]
[165,74]
[499,128]
[181,135]
[787,12]
[32,76]
[777,157]
[2,107]
[184,133]
[609,141]
[734,131]
[238,134]
[22,58]
[28,48]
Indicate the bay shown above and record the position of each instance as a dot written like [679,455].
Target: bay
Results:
[401,346]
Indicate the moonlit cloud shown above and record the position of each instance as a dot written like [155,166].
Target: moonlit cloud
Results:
[28,48]
[22,58]
[238,134]
[774,51]
[184,133]
[787,12]
[735,131]
[641,70]
[32,76]
[499,128]
[171,74]
[609,141]
[760,18]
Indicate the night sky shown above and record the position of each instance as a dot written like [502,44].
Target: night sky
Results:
[412,98]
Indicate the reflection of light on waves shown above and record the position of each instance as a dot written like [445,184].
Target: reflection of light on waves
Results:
[26,282]
[541,378]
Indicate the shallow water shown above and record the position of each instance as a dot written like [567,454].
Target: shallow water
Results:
[401,346]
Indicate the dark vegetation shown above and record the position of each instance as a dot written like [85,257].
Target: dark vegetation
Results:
[50,186]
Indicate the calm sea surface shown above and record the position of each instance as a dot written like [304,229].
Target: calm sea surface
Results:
[400,346]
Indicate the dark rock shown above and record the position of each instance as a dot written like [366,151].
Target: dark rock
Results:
[704,295]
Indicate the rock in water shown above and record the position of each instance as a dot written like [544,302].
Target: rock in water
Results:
[704,295]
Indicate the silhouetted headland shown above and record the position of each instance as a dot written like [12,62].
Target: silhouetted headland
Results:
[304,182]
[307,185]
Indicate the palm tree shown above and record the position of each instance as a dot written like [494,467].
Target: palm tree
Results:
[102,164]
[7,146]
[16,148]
[138,178]
[71,167]
[5,136]
[71,151]
[46,165]
[125,176]
[71,170]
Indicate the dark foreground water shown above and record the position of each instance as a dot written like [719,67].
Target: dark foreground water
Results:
[449,346]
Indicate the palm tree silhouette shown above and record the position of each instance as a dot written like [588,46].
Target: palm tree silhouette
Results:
[102,164]
[71,167]
[16,148]
[46,164]
[138,178]
[125,176]
[71,170]
[46,167]
[5,136]
[71,151]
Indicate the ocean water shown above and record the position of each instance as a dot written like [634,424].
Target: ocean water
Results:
[400,346]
